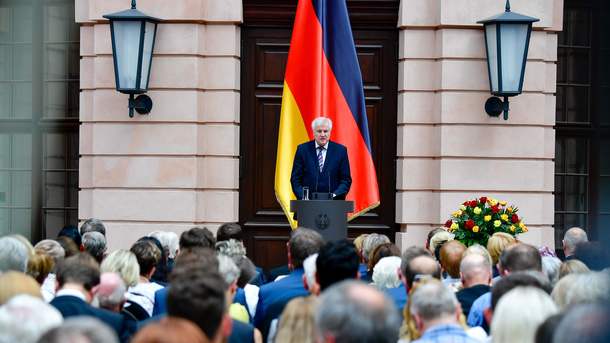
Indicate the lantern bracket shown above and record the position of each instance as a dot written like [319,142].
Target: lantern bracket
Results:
[494,106]
[142,104]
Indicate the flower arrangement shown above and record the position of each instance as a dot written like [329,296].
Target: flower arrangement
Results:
[476,220]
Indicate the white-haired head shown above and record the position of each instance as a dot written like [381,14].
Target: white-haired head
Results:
[385,272]
[25,318]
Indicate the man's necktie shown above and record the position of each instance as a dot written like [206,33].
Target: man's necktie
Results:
[320,158]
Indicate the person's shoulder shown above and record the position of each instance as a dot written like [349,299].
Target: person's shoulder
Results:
[305,145]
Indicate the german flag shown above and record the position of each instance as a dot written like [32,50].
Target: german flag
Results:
[323,78]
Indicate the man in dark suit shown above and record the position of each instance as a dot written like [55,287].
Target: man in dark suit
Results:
[320,164]
[76,276]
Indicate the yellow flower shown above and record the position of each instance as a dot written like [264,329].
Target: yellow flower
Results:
[475,229]
[521,225]
[462,207]
[524,229]
[457,213]
[497,223]
[492,201]
[477,210]
[504,217]
[454,226]
[503,203]
[512,228]
[487,218]
[509,209]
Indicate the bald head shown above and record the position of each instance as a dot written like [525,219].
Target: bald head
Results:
[420,266]
[475,270]
[572,238]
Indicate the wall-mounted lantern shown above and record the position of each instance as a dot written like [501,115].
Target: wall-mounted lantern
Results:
[507,38]
[133,40]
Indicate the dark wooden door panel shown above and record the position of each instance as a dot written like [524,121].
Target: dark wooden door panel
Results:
[265,45]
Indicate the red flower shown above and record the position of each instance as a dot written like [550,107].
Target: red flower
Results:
[466,203]
[448,223]
[483,199]
[514,219]
[473,203]
[469,224]
[495,209]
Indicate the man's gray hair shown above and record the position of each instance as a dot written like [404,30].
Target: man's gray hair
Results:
[309,267]
[25,318]
[228,269]
[550,267]
[475,265]
[351,311]
[232,248]
[51,248]
[584,323]
[433,300]
[78,328]
[371,242]
[95,244]
[385,272]
[582,288]
[572,237]
[169,240]
[93,225]
[13,255]
[321,121]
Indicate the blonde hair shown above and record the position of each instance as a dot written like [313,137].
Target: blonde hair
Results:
[497,243]
[124,263]
[13,283]
[571,267]
[296,323]
[39,266]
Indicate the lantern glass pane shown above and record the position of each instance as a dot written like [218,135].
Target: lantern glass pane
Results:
[126,43]
[492,55]
[513,39]
[149,36]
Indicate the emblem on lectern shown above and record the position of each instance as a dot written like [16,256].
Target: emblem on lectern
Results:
[322,221]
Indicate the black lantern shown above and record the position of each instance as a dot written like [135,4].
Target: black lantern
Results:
[133,40]
[507,38]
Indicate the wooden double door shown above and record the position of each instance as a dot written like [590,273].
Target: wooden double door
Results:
[265,43]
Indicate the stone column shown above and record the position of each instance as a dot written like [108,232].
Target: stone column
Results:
[449,149]
[178,166]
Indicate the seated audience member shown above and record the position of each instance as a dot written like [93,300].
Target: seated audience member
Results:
[93,225]
[95,244]
[475,272]
[141,297]
[169,241]
[431,234]
[496,245]
[76,277]
[337,261]
[550,267]
[593,254]
[57,253]
[170,330]
[417,267]
[572,237]
[39,266]
[516,257]
[370,243]
[197,237]
[23,319]
[437,241]
[14,255]
[161,268]
[358,241]
[309,275]
[586,323]
[70,248]
[230,273]
[71,232]
[386,278]
[200,297]
[247,294]
[570,267]
[450,256]
[13,283]
[110,293]
[124,263]
[351,311]
[273,296]
[296,324]
[436,311]
[228,231]
[582,288]
[518,314]
[546,330]
[381,251]
[80,329]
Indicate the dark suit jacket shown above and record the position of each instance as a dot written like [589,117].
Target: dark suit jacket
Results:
[467,296]
[71,306]
[160,306]
[273,297]
[306,172]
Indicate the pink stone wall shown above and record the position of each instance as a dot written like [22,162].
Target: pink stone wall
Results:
[178,166]
[449,150]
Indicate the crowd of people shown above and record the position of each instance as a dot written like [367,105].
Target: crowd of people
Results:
[200,287]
